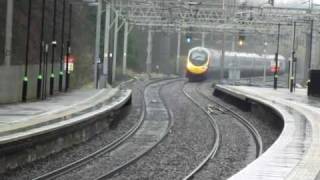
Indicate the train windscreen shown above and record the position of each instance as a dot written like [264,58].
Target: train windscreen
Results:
[198,57]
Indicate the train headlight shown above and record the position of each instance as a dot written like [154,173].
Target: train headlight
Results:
[241,43]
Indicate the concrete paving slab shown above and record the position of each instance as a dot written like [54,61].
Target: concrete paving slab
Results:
[16,118]
[295,154]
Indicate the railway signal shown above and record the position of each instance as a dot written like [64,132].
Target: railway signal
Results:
[189,39]
[241,40]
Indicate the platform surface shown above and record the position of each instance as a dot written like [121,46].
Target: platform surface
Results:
[23,119]
[296,153]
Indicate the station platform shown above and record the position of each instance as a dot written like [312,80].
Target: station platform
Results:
[28,130]
[16,120]
[296,153]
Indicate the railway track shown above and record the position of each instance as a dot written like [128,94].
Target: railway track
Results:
[216,132]
[223,108]
[152,97]
[211,108]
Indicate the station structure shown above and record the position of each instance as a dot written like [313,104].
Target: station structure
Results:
[201,17]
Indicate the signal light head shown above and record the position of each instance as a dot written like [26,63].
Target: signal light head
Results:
[189,39]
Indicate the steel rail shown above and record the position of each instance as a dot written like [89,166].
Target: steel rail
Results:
[126,164]
[76,164]
[216,132]
[253,131]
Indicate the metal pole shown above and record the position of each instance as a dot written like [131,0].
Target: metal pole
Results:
[264,67]
[40,77]
[310,49]
[222,58]
[54,44]
[125,48]
[8,40]
[97,44]
[293,58]
[310,58]
[203,36]
[234,60]
[62,46]
[25,78]
[178,53]
[45,73]
[149,52]
[115,47]
[68,50]
[275,82]
[106,45]
[265,61]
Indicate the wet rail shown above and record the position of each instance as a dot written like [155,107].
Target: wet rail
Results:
[216,133]
[73,167]
[155,108]
[223,108]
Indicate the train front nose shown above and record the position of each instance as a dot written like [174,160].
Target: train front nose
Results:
[196,69]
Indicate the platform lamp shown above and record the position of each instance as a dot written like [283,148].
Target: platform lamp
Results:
[25,78]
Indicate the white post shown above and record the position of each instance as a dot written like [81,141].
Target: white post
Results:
[265,66]
[125,48]
[115,45]
[8,40]
[106,45]
[149,52]
[233,64]
[203,37]
[178,53]
[222,58]
[97,44]
[265,59]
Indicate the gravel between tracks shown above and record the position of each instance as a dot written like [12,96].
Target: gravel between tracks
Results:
[237,147]
[268,130]
[182,150]
[184,147]
[64,157]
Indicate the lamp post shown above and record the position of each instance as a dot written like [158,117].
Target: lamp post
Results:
[25,78]
[42,46]
[54,44]
[62,45]
[125,48]
[293,61]
[68,52]
[275,82]
[106,59]
[115,46]
[97,43]
[310,54]
[45,71]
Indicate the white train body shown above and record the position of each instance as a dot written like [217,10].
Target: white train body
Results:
[247,62]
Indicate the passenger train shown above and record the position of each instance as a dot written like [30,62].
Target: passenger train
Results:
[201,61]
